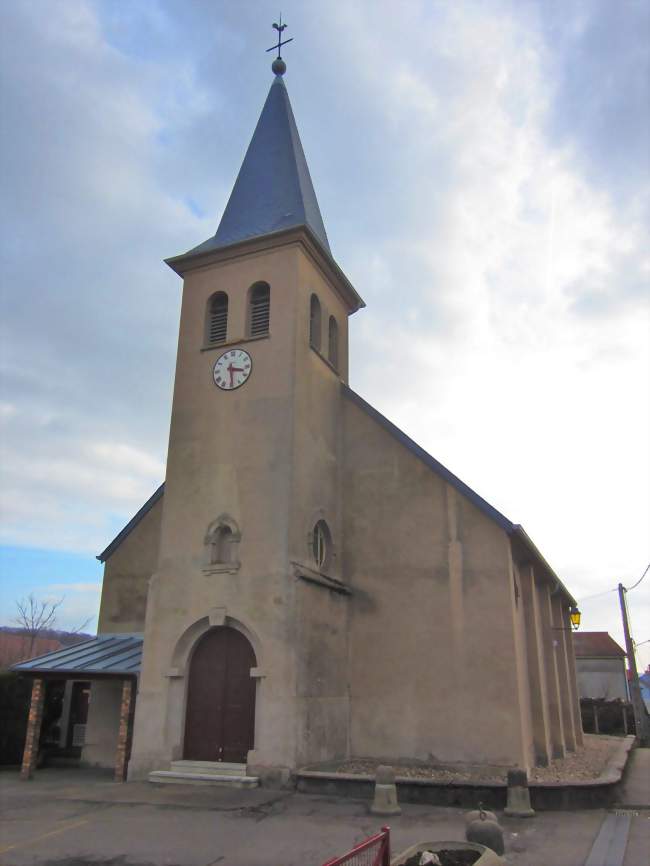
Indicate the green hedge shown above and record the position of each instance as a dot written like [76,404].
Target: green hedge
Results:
[15,694]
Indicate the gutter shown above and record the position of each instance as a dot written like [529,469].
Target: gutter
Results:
[519,532]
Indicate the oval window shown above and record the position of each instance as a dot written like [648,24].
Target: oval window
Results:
[321,544]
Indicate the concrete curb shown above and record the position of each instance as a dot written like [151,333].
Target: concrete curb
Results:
[633,793]
[487,857]
[598,793]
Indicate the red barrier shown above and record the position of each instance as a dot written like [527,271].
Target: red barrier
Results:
[374,851]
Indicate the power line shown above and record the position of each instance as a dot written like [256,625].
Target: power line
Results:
[596,595]
[606,591]
[640,579]
[640,716]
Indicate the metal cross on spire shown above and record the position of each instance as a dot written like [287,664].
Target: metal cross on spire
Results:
[279,66]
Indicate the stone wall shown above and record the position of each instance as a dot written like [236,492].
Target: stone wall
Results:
[432,634]
[126,576]
[103,725]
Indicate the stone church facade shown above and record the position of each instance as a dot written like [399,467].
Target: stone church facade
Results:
[310,583]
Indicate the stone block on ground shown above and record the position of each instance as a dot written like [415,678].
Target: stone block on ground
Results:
[385,799]
[486,832]
[518,805]
[475,814]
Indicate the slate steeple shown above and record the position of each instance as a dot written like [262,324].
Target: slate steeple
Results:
[273,193]
[273,190]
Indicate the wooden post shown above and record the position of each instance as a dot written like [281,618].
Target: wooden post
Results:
[124,736]
[30,755]
[596,728]
[640,715]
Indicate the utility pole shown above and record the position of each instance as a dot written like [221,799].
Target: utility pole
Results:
[640,715]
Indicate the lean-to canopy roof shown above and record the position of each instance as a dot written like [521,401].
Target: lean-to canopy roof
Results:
[107,655]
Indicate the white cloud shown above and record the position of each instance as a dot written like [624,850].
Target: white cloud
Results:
[7,411]
[525,367]
[494,241]
[93,588]
[77,605]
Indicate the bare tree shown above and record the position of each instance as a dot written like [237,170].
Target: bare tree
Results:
[36,616]
[79,628]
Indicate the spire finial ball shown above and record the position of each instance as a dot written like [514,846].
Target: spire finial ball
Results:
[279,67]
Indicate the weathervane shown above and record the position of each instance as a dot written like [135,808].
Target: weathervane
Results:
[279,66]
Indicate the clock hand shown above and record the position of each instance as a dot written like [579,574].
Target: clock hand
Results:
[232,370]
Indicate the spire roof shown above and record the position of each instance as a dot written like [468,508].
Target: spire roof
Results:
[273,190]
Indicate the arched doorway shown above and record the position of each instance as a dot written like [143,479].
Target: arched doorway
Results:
[220,714]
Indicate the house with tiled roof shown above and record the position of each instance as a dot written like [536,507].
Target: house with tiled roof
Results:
[600,666]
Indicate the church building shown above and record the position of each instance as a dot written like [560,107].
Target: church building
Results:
[309,584]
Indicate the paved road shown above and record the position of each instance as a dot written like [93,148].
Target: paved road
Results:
[635,792]
[76,818]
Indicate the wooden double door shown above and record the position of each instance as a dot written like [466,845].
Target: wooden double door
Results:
[220,712]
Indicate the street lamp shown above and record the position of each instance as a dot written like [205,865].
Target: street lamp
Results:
[574,616]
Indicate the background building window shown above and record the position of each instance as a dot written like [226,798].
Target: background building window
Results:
[259,308]
[216,324]
[333,343]
[314,322]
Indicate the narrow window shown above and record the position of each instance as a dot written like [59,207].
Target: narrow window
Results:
[259,307]
[216,325]
[321,544]
[333,343]
[221,545]
[514,580]
[314,322]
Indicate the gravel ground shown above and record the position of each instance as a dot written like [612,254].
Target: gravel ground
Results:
[587,763]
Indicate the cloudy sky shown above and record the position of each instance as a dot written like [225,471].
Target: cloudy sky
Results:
[482,169]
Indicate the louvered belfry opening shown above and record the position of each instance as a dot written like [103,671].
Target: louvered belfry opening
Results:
[333,343]
[259,309]
[217,324]
[314,322]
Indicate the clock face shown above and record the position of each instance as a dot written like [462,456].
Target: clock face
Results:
[231,369]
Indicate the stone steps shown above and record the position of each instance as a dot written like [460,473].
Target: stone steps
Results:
[217,773]
[222,768]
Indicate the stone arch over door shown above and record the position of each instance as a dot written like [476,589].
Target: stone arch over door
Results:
[220,697]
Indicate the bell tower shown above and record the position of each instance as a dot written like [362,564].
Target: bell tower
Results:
[251,534]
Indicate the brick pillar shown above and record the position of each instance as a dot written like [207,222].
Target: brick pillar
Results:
[124,736]
[34,720]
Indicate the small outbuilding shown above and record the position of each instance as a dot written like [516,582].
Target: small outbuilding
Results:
[600,667]
[112,661]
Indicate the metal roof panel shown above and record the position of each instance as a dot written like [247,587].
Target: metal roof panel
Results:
[114,655]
